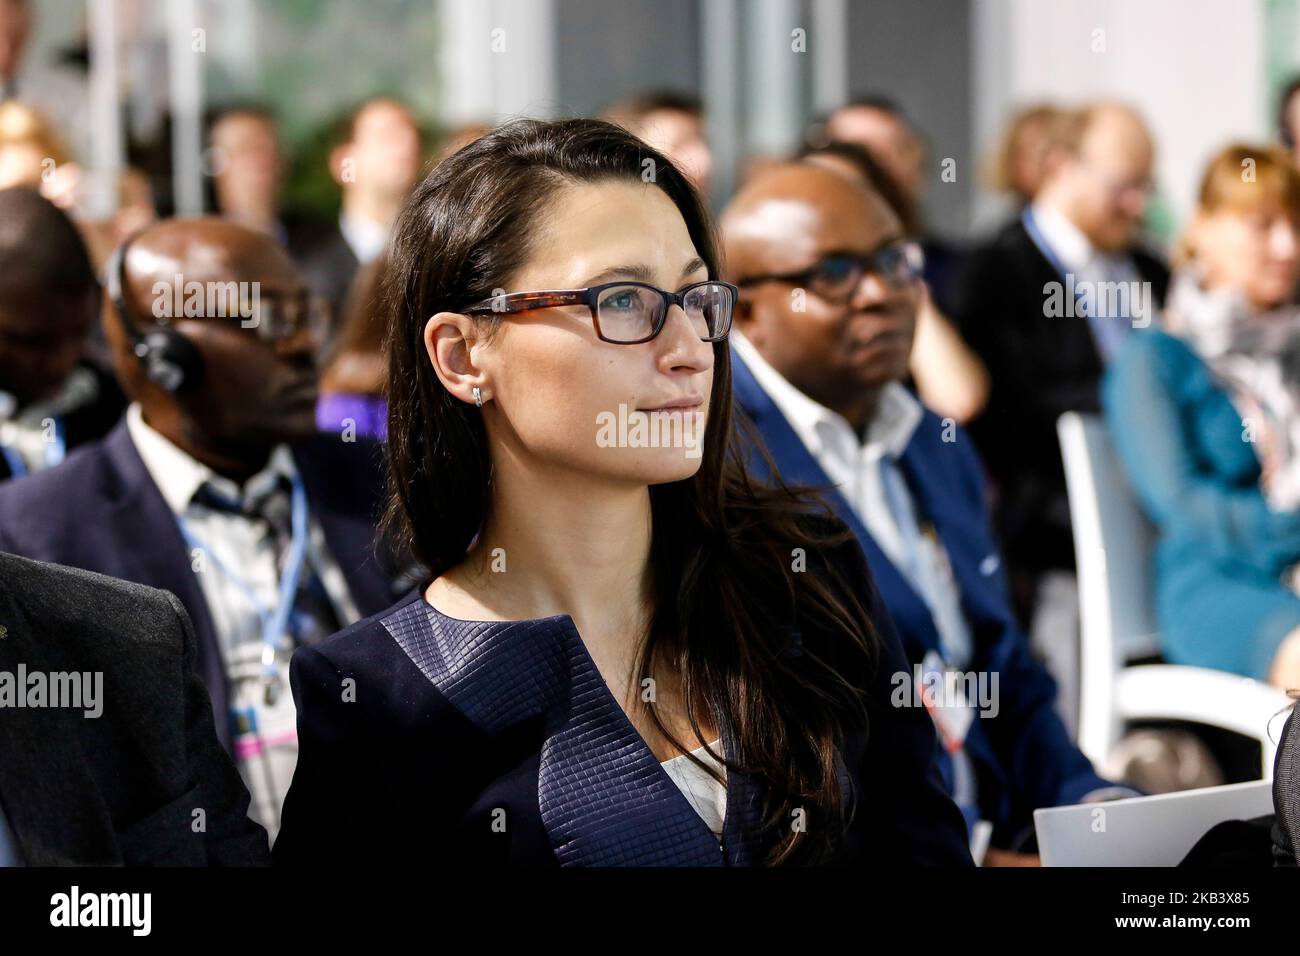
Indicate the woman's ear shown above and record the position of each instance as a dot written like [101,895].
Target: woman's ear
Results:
[449,341]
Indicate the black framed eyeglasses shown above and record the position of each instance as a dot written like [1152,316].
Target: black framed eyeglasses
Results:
[282,315]
[835,277]
[629,313]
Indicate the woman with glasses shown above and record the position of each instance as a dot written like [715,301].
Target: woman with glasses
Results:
[624,651]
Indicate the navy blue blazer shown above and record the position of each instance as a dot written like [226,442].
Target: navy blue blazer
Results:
[423,737]
[101,511]
[1024,757]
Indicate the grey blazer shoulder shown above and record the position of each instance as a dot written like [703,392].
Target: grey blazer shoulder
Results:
[121,775]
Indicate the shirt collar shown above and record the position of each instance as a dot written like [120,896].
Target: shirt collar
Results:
[179,476]
[898,413]
[1063,237]
[365,236]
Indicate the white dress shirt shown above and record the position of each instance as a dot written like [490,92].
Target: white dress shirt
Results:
[860,468]
[238,557]
[365,237]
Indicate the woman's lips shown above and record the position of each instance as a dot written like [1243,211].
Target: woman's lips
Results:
[680,405]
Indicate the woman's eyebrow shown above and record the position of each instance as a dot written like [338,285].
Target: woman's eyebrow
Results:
[693,266]
[640,272]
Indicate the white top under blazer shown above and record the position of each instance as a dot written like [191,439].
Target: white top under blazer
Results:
[706,795]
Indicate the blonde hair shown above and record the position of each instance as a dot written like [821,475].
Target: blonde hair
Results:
[1245,178]
[1000,169]
[20,125]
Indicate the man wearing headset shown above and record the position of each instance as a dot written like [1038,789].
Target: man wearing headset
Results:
[216,486]
[53,397]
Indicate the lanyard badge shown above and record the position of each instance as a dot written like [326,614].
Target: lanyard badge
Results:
[946,702]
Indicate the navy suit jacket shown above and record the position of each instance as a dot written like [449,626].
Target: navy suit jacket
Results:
[100,510]
[423,737]
[1024,757]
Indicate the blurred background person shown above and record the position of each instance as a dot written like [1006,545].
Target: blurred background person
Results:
[1288,118]
[878,125]
[949,377]
[15,28]
[216,485]
[56,89]
[32,154]
[353,380]
[376,158]
[30,149]
[1204,416]
[53,398]
[1082,230]
[247,165]
[672,122]
[1018,166]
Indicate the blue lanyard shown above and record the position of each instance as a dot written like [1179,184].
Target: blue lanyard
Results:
[274,621]
[55,452]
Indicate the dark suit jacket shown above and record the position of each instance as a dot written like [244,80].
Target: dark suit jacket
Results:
[1024,757]
[1286,797]
[121,787]
[454,726]
[100,510]
[89,422]
[1039,367]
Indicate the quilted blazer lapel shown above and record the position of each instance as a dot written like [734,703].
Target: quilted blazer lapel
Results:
[603,796]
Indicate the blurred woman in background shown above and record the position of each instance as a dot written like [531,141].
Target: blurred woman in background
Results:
[1204,415]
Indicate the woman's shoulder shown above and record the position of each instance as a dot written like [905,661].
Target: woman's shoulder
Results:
[365,643]
[1155,356]
[1157,344]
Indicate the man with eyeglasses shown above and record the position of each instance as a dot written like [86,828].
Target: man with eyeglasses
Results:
[822,332]
[1046,304]
[215,485]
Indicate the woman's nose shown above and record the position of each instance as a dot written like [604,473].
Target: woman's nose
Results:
[681,342]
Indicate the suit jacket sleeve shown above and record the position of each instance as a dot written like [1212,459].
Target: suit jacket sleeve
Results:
[232,839]
[1045,767]
[1286,798]
[915,820]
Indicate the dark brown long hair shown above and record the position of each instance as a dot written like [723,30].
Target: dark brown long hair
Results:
[775,652]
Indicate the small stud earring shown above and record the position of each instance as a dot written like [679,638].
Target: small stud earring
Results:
[478,397]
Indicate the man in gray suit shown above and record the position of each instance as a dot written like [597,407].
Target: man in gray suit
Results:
[107,743]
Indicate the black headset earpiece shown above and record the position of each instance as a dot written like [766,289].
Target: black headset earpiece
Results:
[169,359]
